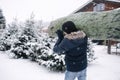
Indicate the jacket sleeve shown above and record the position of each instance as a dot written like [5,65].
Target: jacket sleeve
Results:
[57,48]
[61,47]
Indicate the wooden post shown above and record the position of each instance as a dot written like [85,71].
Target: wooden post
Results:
[109,47]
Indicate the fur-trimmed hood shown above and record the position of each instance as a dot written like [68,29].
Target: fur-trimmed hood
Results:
[75,35]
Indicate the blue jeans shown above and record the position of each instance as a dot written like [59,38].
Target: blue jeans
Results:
[81,75]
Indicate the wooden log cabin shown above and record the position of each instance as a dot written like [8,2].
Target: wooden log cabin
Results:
[97,6]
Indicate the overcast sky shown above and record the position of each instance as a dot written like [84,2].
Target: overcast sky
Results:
[45,10]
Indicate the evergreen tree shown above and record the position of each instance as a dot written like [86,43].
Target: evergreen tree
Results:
[22,48]
[2,20]
[90,52]
[49,59]
[8,36]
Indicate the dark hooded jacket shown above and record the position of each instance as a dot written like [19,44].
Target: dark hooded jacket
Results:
[75,49]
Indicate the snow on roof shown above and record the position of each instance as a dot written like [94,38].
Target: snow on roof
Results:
[82,6]
[114,0]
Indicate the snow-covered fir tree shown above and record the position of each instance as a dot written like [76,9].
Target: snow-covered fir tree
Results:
[2,21]
[90,52]
[48,58]
[8,36]
[26,35]
[2,27]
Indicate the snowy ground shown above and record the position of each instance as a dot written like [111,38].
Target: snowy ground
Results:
[106,67]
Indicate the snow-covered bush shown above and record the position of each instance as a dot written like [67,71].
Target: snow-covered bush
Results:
[90,52]
[49,59]
[4,44]
[20,47]
[8,36]
[2,21]
[53,62]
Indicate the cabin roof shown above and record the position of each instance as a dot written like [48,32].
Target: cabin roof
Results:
[90,1]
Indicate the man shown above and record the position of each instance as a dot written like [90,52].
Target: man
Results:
[73,43]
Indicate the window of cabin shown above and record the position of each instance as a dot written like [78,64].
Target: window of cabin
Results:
[99,7]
